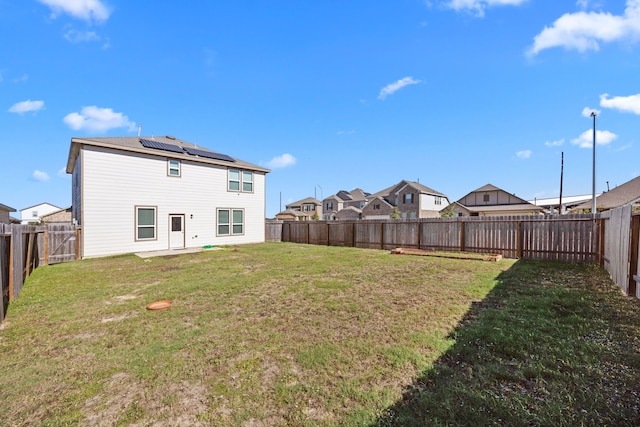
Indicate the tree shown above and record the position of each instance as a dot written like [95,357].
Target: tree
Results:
[395,214]
[448,212]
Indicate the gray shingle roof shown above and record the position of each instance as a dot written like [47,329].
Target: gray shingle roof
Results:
[132,144]
[629,192]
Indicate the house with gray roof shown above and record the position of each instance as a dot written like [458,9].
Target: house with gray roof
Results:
[301,210]
[490,200]
[411,199]
[134,194]
[4,213]
[333,204]
[625,194]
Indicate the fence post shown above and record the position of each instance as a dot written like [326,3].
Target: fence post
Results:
[601,234]
[633,254]
[381,235]
[308,225]
[27,264]
[519,249]
[328,237]
[11,267]
[46,247]
[353,235]
[462,236]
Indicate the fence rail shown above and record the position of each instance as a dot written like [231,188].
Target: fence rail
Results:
[572,238]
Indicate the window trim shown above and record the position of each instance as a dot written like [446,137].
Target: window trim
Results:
[137,226]
[230,224]
[241,181]
[169,168]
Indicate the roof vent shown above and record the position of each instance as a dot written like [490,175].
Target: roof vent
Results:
[171,137]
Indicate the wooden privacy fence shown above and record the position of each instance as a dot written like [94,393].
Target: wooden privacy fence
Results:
[570,238]
[25,247]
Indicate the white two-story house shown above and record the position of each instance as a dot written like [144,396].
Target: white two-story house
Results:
[133,194]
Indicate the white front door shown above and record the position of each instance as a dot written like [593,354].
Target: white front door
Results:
[176,231]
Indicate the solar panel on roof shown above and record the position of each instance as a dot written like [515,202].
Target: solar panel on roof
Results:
[208,154]
[149,143]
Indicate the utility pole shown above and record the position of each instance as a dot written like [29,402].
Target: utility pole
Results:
[561,173]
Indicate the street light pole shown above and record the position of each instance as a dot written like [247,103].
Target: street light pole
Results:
[593,188]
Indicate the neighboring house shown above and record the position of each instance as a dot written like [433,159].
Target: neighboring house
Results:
[62,215]
[304,209]
[4,214]
[134,194]
[291,215]
[551,205]
[627,193]
[493,201]
[333,204]
[377,208]
[411,199]
[32,214]
[350,213]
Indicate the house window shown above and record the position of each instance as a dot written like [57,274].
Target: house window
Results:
[376,206]
[329,206]
[408,198]
[361,204]
[145,223]
[438,200]
[485,198]
[240,180]
[34,214]
[230,222]
[247,182]
[173,167]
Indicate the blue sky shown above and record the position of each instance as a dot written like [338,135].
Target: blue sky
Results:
[331,95]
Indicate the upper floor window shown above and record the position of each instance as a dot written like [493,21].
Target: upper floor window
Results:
[438,200]
[376,206]
[173,167]
[247,182]
[240,181]
[329,206]
[34,214]
[408,198]
[485,198]
[361,204]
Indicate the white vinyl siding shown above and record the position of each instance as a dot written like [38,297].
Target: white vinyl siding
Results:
[115,182]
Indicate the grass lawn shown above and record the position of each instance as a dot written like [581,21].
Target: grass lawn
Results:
[298,335]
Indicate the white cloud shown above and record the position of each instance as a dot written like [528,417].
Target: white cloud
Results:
[281,161]
[391,88]
[585,140]
[87,10]
[586,111]
[586,30]
[477,7]
[556,143]
[40,176]
[26,106]
[75,36]
[97,120]
[524,154]
[629,104]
